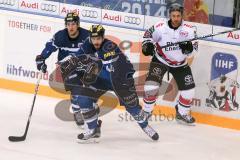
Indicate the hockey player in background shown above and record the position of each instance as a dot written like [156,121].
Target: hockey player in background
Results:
[105,68]
[223,94]
[171,59]
[66,41]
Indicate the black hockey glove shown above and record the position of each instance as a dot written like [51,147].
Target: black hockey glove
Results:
[41,65]
[68,65]
[186,47]
[92,71]
[83,64]
[148,48]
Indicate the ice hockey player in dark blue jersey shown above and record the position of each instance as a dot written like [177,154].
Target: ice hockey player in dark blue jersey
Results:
[66,41]
[106,69]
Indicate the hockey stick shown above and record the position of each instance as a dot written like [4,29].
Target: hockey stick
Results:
[22,138]
[201,37]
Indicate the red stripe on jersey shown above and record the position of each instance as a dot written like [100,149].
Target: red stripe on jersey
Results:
[160,53]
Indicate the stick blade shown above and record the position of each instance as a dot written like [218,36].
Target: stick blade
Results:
[16,139]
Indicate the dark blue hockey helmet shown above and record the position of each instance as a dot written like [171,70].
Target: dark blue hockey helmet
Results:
[97,30]
[72,17]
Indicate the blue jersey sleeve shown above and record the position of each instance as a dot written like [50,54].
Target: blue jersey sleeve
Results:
[118,50]
[86,48]
[50,47]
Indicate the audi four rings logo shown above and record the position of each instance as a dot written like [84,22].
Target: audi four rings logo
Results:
[132,20]
[89,13]
[48,7]
[7,2]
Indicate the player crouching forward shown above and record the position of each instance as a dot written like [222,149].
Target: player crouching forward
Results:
[170,59]
[106,69]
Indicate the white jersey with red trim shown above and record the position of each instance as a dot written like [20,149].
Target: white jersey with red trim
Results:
[161,34]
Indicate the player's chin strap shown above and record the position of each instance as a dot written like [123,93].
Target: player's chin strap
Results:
[201,37]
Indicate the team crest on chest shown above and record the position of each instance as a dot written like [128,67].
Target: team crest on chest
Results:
[183,33]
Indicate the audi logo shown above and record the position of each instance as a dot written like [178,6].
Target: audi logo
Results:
[89,14]
[48,7]
[7,2]
[132,20]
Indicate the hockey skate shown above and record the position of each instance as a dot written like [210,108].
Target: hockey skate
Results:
[151,132]
[91,135]
[142,117]
[184,119]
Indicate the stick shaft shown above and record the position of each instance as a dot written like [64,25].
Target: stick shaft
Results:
[201,37]
[22,138]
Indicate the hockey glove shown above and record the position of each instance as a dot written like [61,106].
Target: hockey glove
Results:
[148,48]
[92,71]
[68,65]
[41,65]
[83,64]
[186,47]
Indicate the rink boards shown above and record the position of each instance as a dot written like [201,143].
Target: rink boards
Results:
[23,36]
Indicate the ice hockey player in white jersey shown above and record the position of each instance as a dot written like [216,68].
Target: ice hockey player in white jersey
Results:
[172,59]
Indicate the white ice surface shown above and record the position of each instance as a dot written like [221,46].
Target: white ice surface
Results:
[52,139]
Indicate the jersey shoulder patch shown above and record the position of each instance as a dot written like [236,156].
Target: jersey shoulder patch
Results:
[187,25]
[148,33]
[159,24]
[110,49]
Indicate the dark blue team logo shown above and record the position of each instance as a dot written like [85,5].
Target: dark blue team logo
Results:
[222,64]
